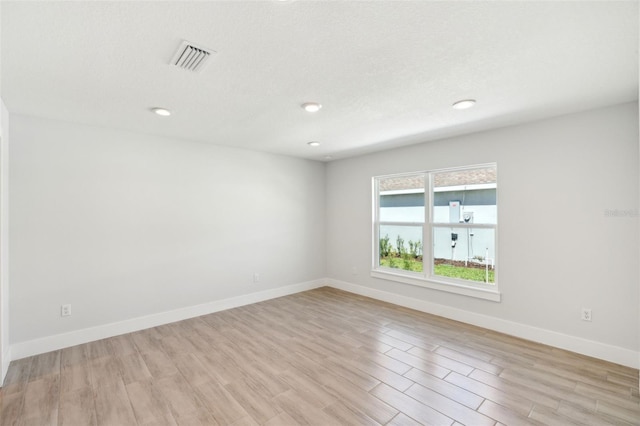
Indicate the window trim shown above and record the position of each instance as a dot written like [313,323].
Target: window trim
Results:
[426,278]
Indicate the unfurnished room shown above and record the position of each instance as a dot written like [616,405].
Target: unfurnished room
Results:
[291,212]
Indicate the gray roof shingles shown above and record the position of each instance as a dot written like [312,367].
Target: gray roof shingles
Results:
[453,178]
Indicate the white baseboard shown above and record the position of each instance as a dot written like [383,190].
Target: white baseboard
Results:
[579,345]
[4,365]
[60,341]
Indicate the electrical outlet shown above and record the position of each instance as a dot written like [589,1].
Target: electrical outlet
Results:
[256,277]
[586,314]
[65,311]
[354,270]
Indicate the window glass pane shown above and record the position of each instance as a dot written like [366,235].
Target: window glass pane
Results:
[465,196]
[464,253]
[401,247]
[401,199]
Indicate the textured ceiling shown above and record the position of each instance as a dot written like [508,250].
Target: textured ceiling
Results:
[385,72]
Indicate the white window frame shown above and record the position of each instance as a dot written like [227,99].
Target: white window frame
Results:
[426,278]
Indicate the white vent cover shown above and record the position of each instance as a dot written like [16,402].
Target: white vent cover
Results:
[191,57]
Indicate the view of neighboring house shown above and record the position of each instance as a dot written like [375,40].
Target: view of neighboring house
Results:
[460,197]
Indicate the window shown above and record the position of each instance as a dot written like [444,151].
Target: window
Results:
[455,212]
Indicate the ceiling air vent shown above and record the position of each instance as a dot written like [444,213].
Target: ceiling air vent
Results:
[191,57]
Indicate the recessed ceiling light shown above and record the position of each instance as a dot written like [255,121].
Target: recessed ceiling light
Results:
[464,104]
[161,111]
[311,106]
[313,143]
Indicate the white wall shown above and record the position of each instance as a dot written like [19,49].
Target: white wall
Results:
[123,225]
[5,353]
[558,251]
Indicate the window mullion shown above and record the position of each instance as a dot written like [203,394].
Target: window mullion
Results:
[427,245]
[465,225]
[376,224]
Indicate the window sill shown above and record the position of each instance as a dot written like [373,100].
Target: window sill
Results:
[450,287]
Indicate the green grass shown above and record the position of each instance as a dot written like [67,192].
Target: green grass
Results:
[407,265]
[461,272]
[473,274]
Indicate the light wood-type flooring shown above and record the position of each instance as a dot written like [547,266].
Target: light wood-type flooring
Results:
[321,357]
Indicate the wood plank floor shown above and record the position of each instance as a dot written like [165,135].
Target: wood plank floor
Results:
[321,357]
